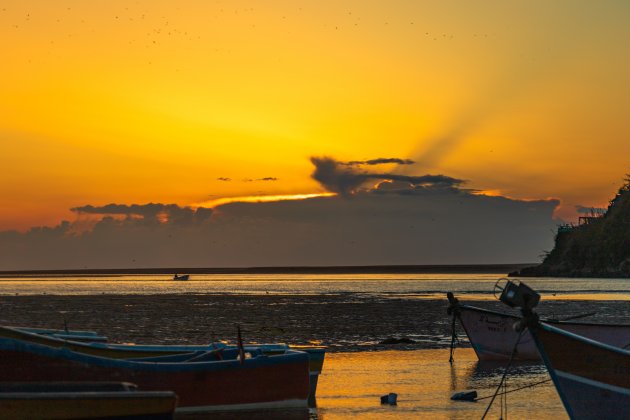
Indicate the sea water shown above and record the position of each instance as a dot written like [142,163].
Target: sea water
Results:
[412,286]
[352,383]
[424,381]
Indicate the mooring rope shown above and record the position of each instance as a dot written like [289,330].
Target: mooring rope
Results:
[516,389]
[453,338]
[505,372]
[453,309]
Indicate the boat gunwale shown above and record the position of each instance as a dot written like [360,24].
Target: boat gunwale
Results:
[71,395]
[550,328]
[547,321]
[9,344]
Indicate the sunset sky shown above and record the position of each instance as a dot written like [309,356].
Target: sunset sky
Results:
[191,103]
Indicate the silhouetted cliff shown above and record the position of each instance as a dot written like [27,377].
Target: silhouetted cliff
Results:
[599,247]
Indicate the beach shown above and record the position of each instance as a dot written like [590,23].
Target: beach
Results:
[342,322]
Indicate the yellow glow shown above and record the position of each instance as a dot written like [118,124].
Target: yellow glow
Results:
[490,193]
[260,199]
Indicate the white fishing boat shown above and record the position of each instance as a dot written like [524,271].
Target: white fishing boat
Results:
[492,336]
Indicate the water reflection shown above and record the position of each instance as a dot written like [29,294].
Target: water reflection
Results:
[352,383]
[422,286]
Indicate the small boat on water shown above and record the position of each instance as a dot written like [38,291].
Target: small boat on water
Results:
[83,400]
[591,377]
[204,381]
[183,277]
[492,337]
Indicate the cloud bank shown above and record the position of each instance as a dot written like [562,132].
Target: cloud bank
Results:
[403,220]
[149,214]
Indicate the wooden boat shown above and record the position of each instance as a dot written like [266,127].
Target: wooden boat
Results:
[592,378]
[95,349]
[74,335]
[80,400]
[183,277]
[316,354]
[492,337]
[204,382]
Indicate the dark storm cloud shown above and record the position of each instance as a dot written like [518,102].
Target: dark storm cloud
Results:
[409,225]
[149,213]
[379,161]
[333,178]
[337,177]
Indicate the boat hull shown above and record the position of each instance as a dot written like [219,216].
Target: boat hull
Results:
[87,405]
[493,337]
[124,351]
[263,381]
[592,379]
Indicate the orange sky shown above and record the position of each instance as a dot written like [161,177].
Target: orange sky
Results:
[132,102]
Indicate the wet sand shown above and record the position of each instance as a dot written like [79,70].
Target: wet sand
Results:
[343,322]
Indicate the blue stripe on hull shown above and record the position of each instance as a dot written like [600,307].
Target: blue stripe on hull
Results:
[591,399]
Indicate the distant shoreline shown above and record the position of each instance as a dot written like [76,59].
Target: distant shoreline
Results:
[373,269]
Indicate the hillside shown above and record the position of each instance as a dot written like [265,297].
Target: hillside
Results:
[599,247]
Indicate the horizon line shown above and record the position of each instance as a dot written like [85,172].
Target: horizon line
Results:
[332,269]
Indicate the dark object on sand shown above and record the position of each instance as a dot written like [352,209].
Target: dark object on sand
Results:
[183,277]
[401,340]
[389,398]
[465,396]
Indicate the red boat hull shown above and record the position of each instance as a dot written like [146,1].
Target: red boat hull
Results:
[259,382]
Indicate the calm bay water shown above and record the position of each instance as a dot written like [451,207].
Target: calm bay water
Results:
[471,286]
[349,313]
[424,382]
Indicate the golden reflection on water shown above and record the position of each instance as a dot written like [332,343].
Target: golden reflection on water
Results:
[351,385]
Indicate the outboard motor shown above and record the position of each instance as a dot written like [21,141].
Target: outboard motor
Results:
[517,295]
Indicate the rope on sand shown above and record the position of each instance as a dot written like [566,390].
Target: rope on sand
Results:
[505,372]
[453,309]
[515,389]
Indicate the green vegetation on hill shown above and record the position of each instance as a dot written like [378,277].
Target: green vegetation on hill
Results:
[598,248]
